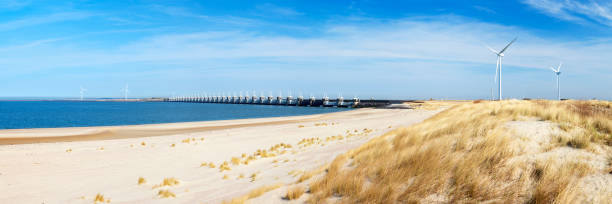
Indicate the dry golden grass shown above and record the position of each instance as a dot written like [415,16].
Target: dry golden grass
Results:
[465,154]
[164,193]
[294,193]
[235,161]
[168,182]
[143,144]
[141,181]
[300,126]
[69,150]
[253,177]
[320,124]
[173,145]
[224,167]
[100,198]
[225,177]
[253,194]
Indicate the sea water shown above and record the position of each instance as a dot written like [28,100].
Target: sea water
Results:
[50,114]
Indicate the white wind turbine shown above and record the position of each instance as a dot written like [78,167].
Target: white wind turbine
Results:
[83,90]
[498,71]
[125,92]
[558,72]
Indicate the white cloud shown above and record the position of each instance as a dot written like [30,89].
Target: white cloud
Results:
[577,11]
[427,50]
[438,39]
[46,19]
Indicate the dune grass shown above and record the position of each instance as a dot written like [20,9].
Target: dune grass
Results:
[167,182]
[294,193]
[253,194]
[100,199]
[141,181]
[466,154]
[165,193]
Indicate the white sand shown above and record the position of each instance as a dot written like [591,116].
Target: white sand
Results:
[46,173]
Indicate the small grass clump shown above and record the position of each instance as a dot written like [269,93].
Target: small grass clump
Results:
[165,193]
[100,199]
[224,167]
[253,177]
[294,193]
[141,181]
[143,144]
[168,182]
[300,126]
[225,177]
[69,150]
[235,161]
[309,141]
[173,145]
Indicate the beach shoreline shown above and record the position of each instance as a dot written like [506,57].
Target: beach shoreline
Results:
[73,134]
[213,161]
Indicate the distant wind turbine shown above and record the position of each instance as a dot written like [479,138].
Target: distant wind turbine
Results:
[498,68]
[558,72]
[125,91]
[83,90]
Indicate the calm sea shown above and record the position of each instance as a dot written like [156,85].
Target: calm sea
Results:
[48,114]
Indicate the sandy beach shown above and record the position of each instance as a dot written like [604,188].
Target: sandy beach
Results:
[128,164]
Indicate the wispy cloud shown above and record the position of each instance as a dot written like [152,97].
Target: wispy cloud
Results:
[176,11]
[577,11]
[435,51]
[14,4]
[484,9]
[435,39]
[43,19]
[277,10]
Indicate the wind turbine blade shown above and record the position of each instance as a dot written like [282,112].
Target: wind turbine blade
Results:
[503,50]
[553,69]
[559,68]
[492,50]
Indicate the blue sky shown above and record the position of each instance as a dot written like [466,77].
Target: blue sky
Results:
[381,49]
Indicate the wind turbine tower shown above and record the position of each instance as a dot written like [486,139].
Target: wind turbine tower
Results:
[83,90]
[498,68]
[125,90]
[558,73]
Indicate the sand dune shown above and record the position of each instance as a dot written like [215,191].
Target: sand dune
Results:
[171,163]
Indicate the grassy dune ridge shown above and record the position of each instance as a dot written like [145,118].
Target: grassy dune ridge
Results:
[469,153]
